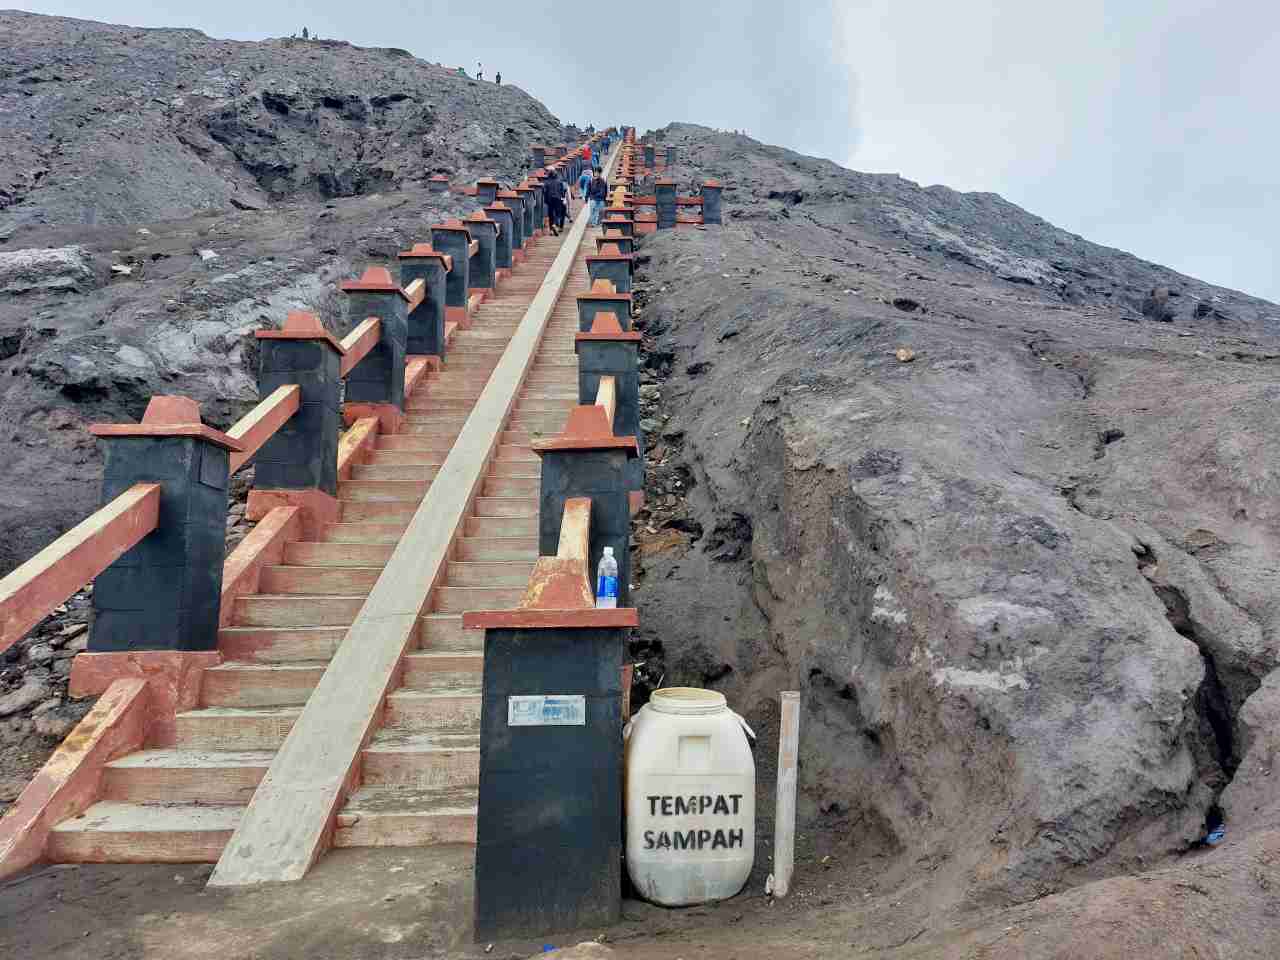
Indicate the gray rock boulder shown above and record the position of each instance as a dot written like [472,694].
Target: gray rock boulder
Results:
[58,269]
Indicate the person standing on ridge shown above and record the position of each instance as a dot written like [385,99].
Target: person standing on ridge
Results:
[597,192]
[498,78]
[479,70]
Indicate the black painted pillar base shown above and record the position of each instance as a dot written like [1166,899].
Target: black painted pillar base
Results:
[615,355]
[711,202]
[484,264]
[501,215]
[164,592]
[590,304]
[549,823]
[425,334]
[303,453]
[379,377]
[453,239]
[512,200]
[665,193]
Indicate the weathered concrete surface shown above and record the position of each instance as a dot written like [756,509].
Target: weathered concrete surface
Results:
[925,457]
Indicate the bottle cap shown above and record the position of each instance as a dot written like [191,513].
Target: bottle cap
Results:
[608,551]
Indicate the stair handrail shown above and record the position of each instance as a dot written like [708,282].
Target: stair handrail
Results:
[36,588]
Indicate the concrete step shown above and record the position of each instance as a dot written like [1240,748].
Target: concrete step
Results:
[518,453]
[279,644]
[439,708]
[443,632]
[515,468]
[496,548]
[463,599]
[340,581]
[411,491]
[488,528]
[185,776]
[403,759]
[506,506]
[114,832]
[431,429]
[380,469]
[508,486]
[404,441]
[383,511]
[423,669]
[247,684]
[364,532]
[422,459]
[502,573]
[305,553]
[235,728]
[275,610]
[390,816]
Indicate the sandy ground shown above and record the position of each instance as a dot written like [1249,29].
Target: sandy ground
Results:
[409,904]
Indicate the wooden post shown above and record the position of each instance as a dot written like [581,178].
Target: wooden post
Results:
[784,824]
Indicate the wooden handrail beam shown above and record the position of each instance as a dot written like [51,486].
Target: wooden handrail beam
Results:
[29,593]
[607,396]
[416,292]
[575,530]
[358,343]
[257,426]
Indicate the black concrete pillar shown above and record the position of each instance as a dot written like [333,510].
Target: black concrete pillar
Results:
[484,264]
[590,304]
[379,377]
[303,453]
[500,214]
[616,268]
[453,239]
[513,202]
[617,355]
[426,324]
[539,155]
[650,156]
[594,468]
[549,817]
[671,155]
[711,201]
[526,209]
[665,193]
[439,183]
[487,190]
[164,592]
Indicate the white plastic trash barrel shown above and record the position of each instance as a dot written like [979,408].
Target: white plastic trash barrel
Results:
[691,798]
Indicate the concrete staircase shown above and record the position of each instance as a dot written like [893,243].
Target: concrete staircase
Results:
[421,768]
[181,802]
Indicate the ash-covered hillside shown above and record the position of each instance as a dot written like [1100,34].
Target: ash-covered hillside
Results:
[1001,502]
[103,124]
[163,194]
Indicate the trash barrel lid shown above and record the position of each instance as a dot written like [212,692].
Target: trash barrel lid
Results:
[687,701]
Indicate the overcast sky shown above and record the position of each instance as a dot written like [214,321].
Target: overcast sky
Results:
[1149,125]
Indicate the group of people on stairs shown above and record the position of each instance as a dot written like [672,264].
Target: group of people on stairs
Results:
[591,186]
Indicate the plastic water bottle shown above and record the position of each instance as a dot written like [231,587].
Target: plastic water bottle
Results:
[607,581]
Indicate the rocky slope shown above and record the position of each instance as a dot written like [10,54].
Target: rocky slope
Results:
[997,499]
[162,194]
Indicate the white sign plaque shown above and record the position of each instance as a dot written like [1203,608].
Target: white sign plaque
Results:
[549,710]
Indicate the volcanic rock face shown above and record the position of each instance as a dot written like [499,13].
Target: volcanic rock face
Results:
[108,125]
[163,194]
[996,499]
